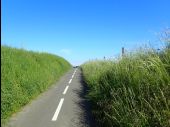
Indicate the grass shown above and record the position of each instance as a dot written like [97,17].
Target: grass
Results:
[26,74]
[133,91]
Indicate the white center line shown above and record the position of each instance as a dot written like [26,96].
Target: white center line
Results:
[65,90]
[58,110]
[70,81]
[72,76]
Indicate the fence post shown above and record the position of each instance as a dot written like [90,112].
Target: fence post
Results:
[123,51]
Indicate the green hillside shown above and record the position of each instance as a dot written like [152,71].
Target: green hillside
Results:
[26,74]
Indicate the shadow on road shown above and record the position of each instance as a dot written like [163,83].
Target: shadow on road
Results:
[86,118]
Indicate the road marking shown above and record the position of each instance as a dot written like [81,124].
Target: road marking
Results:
[65,90]
[58,110]
[74,73]
[70,81]
[72,76]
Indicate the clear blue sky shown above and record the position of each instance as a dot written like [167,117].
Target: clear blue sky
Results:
[80,30]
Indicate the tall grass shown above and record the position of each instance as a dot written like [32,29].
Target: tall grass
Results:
[24,75]
[133,91]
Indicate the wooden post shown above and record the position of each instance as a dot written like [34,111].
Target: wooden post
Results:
[123,51]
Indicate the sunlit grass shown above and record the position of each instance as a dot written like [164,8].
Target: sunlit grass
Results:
[133,91]
[24,75]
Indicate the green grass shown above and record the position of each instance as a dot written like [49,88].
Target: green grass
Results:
[133,91]
[26,74]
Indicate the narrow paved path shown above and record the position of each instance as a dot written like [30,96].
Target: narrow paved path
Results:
[63,105]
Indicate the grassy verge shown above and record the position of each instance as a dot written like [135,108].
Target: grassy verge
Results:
[24,75]
[133,91]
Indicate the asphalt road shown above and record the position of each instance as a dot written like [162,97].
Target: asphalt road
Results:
[63,105]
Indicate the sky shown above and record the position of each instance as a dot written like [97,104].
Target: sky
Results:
[82,30]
